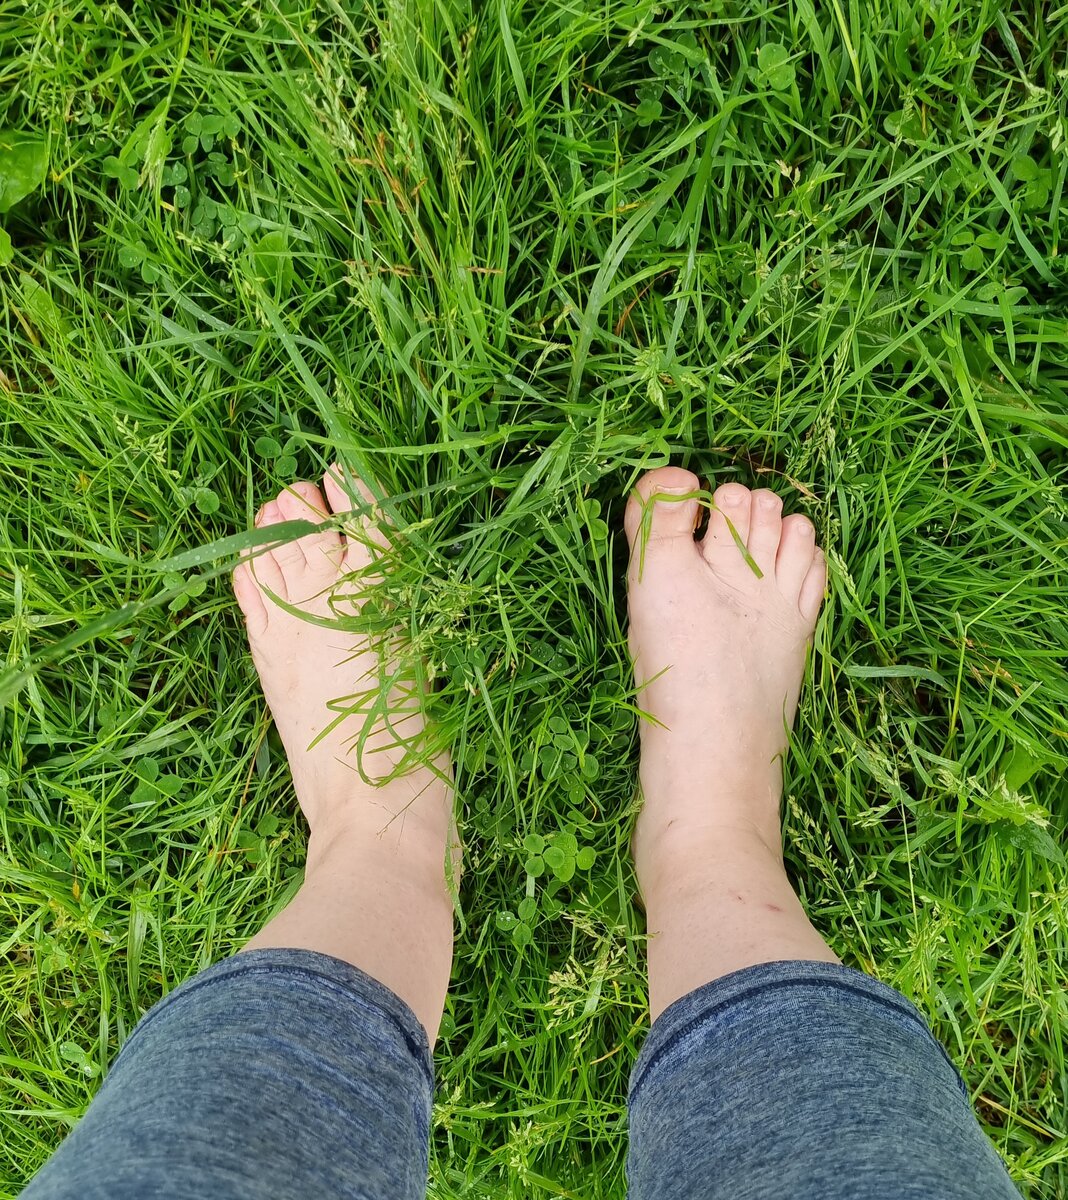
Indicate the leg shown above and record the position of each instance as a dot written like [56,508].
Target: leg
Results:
[375,892]
[302,1066]
[771,1069]
[804,1080]
[718,654]
[274,1075]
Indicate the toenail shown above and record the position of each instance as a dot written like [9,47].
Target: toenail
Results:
[731,498]
[769,500]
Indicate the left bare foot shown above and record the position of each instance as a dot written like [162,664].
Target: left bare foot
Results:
[321,682]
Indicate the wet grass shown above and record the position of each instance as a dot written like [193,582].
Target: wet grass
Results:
[502,258]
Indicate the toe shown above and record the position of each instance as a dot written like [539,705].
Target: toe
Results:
[302,501]
[730,511]
[250,599]
[797,544]
[268,515]
[814,588]
[319,553]
[765,529]
[263,566]
[365,536]
[346,491]
[292,506]
[656,513]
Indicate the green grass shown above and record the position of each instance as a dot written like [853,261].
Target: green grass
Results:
[502,258]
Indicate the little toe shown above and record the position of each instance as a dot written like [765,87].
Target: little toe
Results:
[765,529]
[730,511]
[797,545]
[657,513]
[814,588]
[319,552]
[263,566]
[250,599]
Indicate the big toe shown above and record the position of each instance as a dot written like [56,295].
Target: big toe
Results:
[291,571]
[314,557]
[662,509]
[814,588]
[365,533]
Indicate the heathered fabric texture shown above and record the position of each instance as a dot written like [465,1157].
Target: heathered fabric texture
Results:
[288,1075]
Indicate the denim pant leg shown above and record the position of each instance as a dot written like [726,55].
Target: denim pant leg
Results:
[275,1075]
[806,1081]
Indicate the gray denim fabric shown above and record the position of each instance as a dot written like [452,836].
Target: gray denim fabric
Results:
[806,1081]
[284,1074]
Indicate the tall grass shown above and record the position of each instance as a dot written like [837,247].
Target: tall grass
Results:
[501,258]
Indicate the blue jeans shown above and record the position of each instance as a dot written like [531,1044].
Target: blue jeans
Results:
[289,1075]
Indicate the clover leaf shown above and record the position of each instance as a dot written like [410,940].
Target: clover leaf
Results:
[23,163]
[773,63]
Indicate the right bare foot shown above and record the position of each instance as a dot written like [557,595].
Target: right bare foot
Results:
[719,653]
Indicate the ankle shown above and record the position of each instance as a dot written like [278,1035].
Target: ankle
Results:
[693,792]
[717,904]
[687,855]
[393,848]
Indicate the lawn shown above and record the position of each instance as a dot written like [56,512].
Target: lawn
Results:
[502,257]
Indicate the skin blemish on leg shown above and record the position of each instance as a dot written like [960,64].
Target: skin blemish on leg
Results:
[773,908]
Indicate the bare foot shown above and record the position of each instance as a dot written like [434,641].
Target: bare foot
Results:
[321,682]
[377,890]
[719,653]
